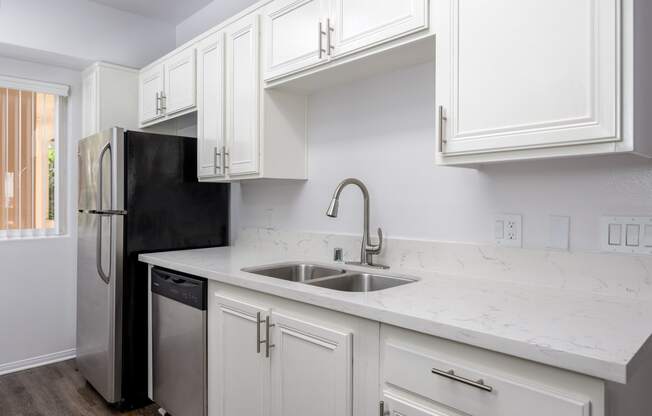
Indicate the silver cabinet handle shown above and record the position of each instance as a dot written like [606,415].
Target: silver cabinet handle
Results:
[450,374]
[442,120]
[217,168]
[329,43]
[258,322]
[268,344]
[226,159]
[381,408]
[158,103]
[268,326]
[321,40]
[164,102]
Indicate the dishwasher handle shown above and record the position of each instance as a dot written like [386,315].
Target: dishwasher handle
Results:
[185,289]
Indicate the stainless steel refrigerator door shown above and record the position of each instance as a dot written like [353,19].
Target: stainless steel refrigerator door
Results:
[99,303]
[179,365]
[100,262]
[105,150]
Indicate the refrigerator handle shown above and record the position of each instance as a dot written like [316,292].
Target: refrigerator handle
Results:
[98,257]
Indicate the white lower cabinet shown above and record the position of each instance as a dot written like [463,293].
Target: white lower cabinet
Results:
[318,363]
[270,356]
[311,368]
[239,380]
[451,379]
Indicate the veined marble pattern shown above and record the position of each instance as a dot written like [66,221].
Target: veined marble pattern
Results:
[621,275]
[589,331]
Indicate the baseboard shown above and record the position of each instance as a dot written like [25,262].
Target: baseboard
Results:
[36,361]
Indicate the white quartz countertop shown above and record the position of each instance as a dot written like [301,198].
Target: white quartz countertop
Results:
[592,334]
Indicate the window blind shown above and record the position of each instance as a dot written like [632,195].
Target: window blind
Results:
[29,160]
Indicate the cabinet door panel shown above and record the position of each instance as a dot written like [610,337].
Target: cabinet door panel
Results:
[210,106]
[362,23]
[151,86]
[400,406]
[517,73]
[239,376]
[243,85]
[292,35]
[180,82]
[311,369]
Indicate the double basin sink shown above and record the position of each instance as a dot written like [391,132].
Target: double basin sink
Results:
[330,277]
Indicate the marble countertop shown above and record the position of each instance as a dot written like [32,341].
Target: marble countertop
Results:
[592,334]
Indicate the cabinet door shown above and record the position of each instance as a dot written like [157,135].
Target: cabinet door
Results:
[238,375]
[151,88]
[210,107]
[243,86]
[519,74]
[311,369]
[362,23]
[180,82]
[292,36]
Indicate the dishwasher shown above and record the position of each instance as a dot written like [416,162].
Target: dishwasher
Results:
[179,364]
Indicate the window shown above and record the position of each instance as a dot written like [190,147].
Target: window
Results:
[29,157]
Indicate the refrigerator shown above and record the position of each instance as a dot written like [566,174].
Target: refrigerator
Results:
[138,193]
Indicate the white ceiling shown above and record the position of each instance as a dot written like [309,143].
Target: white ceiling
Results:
[173,11]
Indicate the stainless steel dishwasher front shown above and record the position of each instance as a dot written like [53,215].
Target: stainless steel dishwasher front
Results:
[179,364]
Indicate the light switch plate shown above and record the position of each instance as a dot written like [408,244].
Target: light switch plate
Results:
[559,232]
[623,234]
[512,235]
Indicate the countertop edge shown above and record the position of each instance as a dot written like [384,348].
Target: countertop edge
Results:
[605,370]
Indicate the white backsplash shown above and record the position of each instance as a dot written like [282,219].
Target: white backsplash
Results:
[619,275]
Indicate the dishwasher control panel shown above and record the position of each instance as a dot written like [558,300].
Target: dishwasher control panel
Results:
[189,290]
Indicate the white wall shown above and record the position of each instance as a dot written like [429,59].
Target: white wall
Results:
[211,15]
[37,276]
[382,131]
[84,31]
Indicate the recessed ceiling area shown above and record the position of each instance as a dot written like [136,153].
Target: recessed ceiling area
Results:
[173,11]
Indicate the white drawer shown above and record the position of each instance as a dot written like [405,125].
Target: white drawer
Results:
[415,370]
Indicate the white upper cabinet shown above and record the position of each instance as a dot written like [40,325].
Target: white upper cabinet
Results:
[180,92]
[242,96]
[358,24]
[293,37]
[210,107]
[152,87]
[109,98]
[524,74]
[300,34]
[168,87]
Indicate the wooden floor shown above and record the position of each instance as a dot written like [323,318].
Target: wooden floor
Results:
[55,390]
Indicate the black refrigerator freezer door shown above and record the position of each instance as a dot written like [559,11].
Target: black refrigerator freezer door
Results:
[168,208]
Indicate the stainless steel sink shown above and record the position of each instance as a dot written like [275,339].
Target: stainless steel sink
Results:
[295,272]
[361,282]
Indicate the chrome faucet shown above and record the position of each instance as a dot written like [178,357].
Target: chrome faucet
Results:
[368,250]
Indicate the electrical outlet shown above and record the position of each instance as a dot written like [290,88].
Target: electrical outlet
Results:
[508,230]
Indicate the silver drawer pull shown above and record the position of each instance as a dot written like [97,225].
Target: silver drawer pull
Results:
[450,374]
